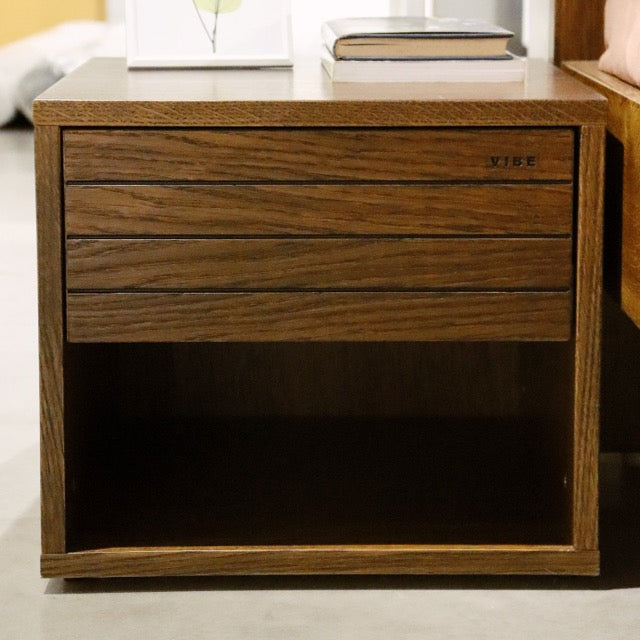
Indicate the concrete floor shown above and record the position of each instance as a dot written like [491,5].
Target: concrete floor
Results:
[261,608]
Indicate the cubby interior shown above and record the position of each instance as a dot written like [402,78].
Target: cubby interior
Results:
[206,444]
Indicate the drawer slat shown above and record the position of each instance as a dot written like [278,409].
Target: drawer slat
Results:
[372,263]
[317,154]
[149,317]
[506,209]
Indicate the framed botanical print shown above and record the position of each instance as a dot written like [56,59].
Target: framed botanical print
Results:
[208,33]
[538,22]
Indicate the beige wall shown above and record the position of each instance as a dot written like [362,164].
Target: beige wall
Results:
[19,19]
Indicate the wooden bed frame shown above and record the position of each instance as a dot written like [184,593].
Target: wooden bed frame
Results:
[578,30]
[579,42]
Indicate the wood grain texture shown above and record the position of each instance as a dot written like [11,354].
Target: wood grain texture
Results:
[331,263]
[588,326]
[280,354]
[51,336]
[623,122]
[102,93]
[504,209]
[323,560]
[166,317]
[318,382]
[579,30]
[367,459]
[613,88]
[317,154]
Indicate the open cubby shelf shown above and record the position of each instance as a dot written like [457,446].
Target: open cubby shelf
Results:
[372,453]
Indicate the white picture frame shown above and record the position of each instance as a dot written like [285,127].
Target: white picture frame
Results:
[538,25]
[411,8]
[191,33]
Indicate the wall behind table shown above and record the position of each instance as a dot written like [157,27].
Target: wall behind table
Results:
[307,17]
[20,19]
[506,13]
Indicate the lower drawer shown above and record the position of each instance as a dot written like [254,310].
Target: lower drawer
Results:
[319,316]
[316,264]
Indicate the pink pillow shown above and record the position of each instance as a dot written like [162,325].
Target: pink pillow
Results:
[622,40]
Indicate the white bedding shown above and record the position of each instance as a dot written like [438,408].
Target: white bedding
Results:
[30,65]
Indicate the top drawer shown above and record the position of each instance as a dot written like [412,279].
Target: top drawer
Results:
[237,155]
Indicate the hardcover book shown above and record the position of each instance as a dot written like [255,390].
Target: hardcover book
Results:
[476,70]
[414,38]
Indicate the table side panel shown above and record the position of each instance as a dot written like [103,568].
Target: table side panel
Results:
[588,328]
[51,335]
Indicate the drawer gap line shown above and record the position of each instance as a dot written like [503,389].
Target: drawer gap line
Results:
[314,183]
[194,291]
[325,236]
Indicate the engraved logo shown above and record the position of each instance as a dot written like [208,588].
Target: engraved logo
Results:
[516,162]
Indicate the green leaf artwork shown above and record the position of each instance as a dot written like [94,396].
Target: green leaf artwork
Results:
[214,7]
[219,6]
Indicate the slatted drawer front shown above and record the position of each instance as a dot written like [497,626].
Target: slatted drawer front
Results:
[320,264]
[237,210]
[367,316]
[318,234]
[318,154]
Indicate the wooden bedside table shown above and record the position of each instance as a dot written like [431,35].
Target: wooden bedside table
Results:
[291,327]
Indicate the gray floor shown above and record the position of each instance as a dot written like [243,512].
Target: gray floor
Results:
[388,607]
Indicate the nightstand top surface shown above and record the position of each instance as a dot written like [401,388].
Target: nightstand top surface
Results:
[103,92]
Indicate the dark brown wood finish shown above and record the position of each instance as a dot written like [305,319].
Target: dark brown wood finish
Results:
[623,123]
[151,317]
[389,417]
[315,381]
[377,263]
[318,154]
[588,327]
[102,94]
[433,410]
[316,560]
[620,392]
[51,326]
[579,29]
[621,340]
[362,209]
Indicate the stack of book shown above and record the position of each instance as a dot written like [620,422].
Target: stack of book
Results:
[418,50]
